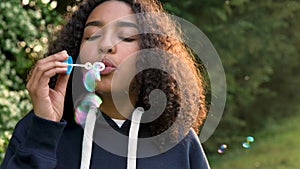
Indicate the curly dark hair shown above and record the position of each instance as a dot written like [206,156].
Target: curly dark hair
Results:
[187,103]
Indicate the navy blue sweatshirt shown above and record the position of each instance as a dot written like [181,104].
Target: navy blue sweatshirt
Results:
[42,144]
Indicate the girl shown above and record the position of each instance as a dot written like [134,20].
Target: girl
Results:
[107,31]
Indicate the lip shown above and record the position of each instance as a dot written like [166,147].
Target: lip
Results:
[109,67]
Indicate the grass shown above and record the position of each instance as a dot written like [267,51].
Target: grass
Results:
[276,147]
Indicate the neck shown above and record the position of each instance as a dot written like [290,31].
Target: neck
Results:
[109,108]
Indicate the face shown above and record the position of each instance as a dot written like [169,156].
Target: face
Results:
[110,36]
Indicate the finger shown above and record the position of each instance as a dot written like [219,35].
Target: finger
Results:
[40,87]
[61,83]
[45,77]
[44,70]
[41,66]
[29,83]
[60,56]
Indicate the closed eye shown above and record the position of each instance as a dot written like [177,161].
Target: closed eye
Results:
[127,39]
[92,38]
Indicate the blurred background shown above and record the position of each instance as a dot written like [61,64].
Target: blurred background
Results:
[258,42]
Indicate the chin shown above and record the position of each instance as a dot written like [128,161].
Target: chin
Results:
[103,91]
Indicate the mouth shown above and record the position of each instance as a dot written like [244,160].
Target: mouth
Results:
[109,67]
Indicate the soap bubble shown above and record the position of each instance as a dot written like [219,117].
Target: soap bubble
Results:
[83,106]
[222,148]
[247,144]
[250,139]
[98,66]
[204,51]
[89,80]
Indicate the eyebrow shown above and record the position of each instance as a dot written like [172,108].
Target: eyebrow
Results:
[118,23]
[94,23]
[127,24]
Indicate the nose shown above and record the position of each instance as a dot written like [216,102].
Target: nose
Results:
[106,46]
[107,49]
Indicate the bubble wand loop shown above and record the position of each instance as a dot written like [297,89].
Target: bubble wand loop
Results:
[97,66]
[87,65]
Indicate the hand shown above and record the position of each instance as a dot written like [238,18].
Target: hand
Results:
[49,103]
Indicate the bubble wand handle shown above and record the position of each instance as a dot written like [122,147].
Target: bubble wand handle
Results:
[77,65]
[97,66]
[87,65]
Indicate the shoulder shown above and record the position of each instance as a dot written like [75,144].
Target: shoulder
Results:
[192,139]
[191,143]
[196,153]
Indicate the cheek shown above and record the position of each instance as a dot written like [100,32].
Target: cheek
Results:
[127,63]
[88,51]
[127,51]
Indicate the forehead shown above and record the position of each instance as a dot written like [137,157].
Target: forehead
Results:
[109,11]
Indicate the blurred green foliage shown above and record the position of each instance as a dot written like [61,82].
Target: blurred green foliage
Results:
[269,150]
[257,40]
[24,32]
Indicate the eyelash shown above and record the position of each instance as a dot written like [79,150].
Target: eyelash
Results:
[125,39]
[92,38]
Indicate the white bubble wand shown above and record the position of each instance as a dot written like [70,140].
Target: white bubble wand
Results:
[97,66]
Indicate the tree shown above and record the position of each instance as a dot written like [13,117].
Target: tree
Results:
[258,43]
[24,31]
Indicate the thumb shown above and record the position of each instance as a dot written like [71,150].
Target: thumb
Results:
[61,83]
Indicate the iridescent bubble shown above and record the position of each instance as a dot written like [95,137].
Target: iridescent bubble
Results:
[205,51]
[247,143]
[89,80]
[222,148]
[250,139]
[98,66]
[83,106]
